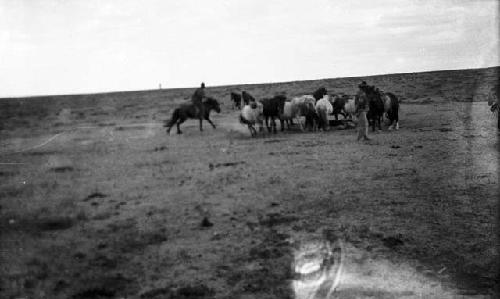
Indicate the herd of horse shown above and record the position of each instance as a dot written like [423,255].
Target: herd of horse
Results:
[313,108]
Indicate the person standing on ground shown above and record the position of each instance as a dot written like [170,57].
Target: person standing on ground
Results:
[361,103]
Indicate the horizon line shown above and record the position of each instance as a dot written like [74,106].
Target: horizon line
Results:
[7,97]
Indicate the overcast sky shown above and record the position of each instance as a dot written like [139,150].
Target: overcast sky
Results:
[79,46]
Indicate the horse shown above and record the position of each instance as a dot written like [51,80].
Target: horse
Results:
[304,106]
[236,100]
[319,93]
[247,98]
[376,107]
[251,115]
[391,109]
[272,109]
[323,108]
[189,110]
[286,118]
[338,104]
[350,108]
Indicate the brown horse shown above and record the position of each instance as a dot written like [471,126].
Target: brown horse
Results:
[376,107]
[185,111]
[273,109]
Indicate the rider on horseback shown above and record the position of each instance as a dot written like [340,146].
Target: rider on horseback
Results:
[197,100]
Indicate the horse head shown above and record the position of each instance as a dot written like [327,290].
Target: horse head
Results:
[321,92]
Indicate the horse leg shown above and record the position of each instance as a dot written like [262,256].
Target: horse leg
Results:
[282,123]
[300,124]
[210,122]
[498,119]
[396,119]
[201,126]
[250,129]
[261,125]
[182,118]
[310,122]
[325,121]
[273,124]
[172,121]
[313,123]
[169,126]
[178,127]
[391,124]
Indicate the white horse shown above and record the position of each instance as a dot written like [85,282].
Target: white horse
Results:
[251,115]
[350,108]
[323,109]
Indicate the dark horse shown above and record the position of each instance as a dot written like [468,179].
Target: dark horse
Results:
[188,110]
[376,107]
[236,99]
[273,109]
[319,93]
[247,98]
[338,104]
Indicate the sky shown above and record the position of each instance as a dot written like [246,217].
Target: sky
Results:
[83,46]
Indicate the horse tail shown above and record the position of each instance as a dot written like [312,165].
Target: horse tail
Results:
[396,102]
[395,107]
[173,119]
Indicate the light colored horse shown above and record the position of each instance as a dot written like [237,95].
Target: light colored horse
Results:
[304,106]
[391,109]
[287,116]
[323,109]
[251,115]
[350,108]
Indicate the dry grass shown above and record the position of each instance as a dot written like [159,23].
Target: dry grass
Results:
[113,207]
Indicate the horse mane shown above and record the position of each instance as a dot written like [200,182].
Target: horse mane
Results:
[280,97]
[247,95]
[210,99]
